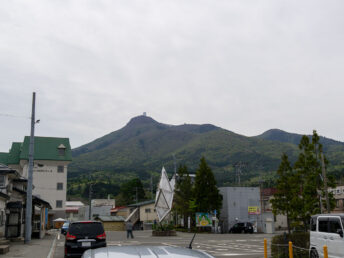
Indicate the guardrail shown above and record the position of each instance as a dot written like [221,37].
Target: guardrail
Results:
[291,250]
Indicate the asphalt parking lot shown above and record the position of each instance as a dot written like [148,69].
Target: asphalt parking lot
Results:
[218,245]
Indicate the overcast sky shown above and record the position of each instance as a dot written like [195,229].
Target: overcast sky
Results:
[246,66]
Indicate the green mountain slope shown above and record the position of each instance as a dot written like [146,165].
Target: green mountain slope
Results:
[334,150]
[144,145]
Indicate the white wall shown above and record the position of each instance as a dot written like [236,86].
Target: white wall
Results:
[45,179]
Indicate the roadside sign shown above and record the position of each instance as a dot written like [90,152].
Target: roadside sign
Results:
[253,210]
[203,219]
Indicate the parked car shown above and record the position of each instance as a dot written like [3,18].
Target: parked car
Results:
[242,227]
[64,228]
[83,235]
[327,229]
[144,251]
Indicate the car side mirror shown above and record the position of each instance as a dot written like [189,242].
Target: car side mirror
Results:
[340,232]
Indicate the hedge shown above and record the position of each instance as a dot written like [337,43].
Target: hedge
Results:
[279,245]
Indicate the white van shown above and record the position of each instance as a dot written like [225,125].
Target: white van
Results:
[327,229]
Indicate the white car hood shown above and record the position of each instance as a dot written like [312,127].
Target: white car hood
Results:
[144,251]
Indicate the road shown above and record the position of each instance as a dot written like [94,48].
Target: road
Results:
[218,245]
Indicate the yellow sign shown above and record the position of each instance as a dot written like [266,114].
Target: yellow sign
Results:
[253,210]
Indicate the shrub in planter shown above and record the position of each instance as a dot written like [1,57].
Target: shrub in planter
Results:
[279,245]
[163,230]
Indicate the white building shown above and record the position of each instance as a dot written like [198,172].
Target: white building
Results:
[51,158]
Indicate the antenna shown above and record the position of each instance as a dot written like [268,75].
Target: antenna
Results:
[190,245]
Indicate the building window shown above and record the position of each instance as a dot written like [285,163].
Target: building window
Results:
[59,186]
[62,149]
[2,181]
[60,169]
[147,210]
[58,204]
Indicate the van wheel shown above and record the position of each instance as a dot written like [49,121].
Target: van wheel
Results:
[314,254]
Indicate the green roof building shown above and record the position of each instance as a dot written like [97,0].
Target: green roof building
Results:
[51,158]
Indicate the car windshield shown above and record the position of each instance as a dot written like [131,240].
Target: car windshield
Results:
[66,225]
[86,228]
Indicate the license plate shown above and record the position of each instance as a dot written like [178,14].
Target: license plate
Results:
[86,244]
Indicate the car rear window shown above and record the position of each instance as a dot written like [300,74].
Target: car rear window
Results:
[86,228]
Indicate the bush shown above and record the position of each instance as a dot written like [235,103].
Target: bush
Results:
[162,227]
[279,245]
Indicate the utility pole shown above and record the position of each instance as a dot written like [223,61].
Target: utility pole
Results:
[239,166]
[325,183]
[90,200]
[151,185]
[175,164]
[28,215]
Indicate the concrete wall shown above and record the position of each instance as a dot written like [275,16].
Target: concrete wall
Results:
[96,210]
[236,201]
[114,225]
[45,179]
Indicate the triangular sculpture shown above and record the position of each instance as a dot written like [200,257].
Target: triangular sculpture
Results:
[164,195]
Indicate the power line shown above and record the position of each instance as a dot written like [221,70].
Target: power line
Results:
[14,116]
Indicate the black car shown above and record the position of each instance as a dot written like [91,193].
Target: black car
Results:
[83,235]
[242,227]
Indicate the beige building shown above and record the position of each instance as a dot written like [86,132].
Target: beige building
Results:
[338,194]
[143,214]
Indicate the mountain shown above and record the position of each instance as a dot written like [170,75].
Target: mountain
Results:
[334,150]
[144,145]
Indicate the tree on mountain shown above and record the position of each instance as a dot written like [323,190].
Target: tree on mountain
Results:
[132,191]
[287,191]
[308,174]
[206,196]
[183,193]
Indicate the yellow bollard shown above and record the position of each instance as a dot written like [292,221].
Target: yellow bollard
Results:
[325,251]
[290,249]
[265,248]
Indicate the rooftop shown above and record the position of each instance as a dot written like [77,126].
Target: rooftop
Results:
[141,203]
[110,218]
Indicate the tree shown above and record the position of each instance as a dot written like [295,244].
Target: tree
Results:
[308,175]
[205,193]
[132,191]
[183,193]
[287,191]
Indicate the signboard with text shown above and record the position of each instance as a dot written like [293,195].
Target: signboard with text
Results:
[253,210]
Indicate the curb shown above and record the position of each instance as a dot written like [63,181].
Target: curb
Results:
[52,249]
